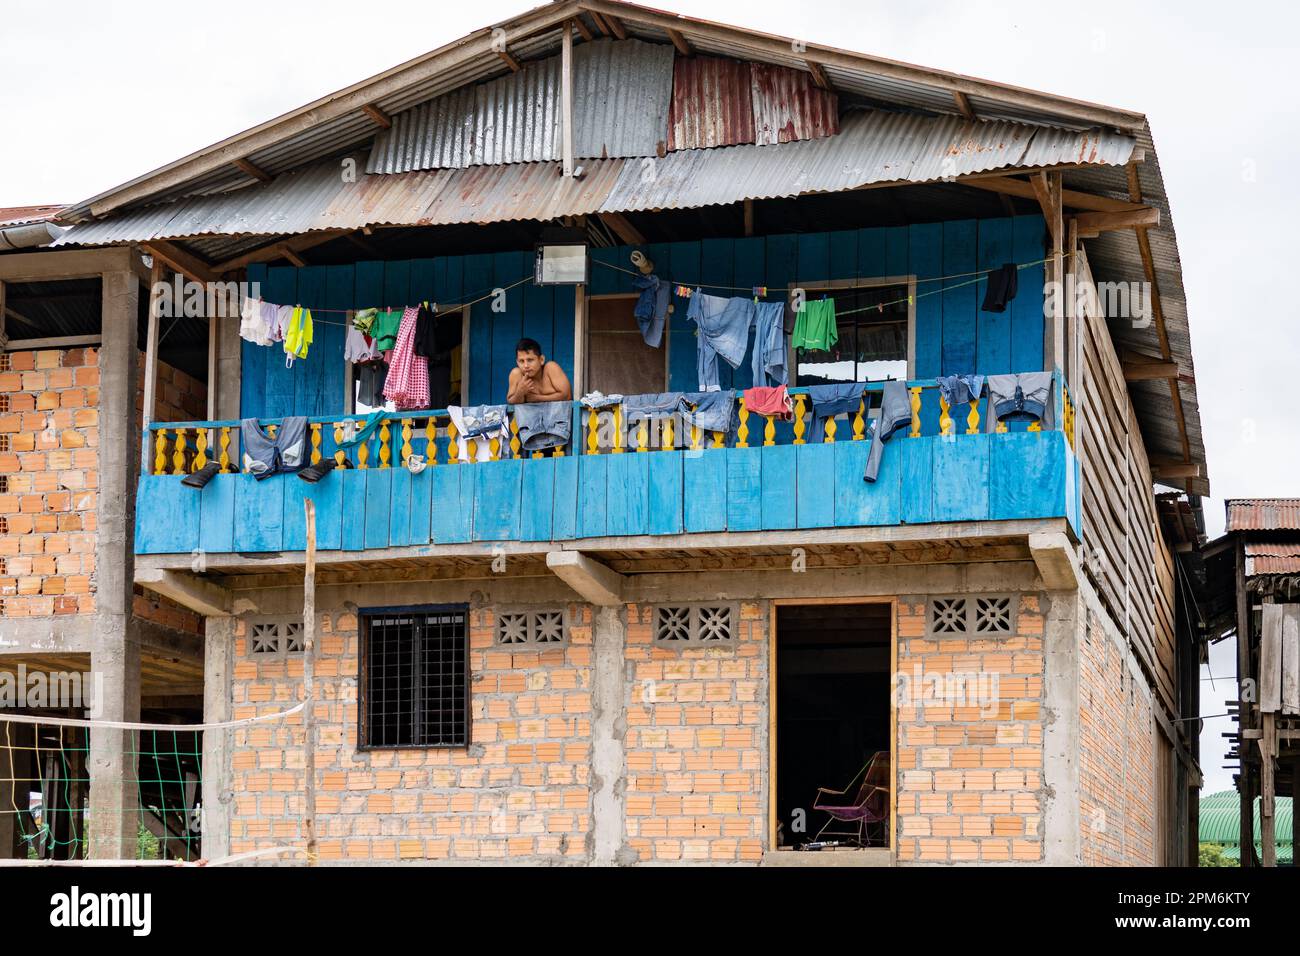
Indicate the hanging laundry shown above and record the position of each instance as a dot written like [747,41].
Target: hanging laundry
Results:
[358,347]
[895,413]
[298,334]
[1026,397]
[544,425]
[815,328]
[651,308]
[653,405]
[769,344]
[481,423]
[1003,283]
[831,400]
[722,330]
[714,411]
[436,337]
[385,327]
[278,321]
[363,319]
[253,324]
[960,389]
[770,400]
[265,456]
[370,379]
[407,386]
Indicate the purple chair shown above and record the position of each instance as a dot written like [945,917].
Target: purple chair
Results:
[870,805]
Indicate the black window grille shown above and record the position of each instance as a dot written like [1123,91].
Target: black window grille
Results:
[415,678]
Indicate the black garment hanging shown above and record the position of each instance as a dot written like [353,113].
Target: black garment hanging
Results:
[1001,288]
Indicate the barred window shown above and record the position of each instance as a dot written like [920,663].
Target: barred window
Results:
[415,677]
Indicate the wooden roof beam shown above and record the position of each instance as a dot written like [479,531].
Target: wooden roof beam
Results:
[680,43]
[509,59]
[619,225]
[584,31]
[616,27]
[251,169]
[1146,371]
[819,75]
[284,249]
[1010,186]
[1093,224]
[377,114]
[963,104]
[181,261]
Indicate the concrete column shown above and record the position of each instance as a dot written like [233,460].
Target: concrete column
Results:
[1066,620]
[218,662]
[115,648]
[608,733]
[226,387]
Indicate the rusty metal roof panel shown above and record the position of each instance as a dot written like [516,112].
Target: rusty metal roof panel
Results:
[22,215]
[789,106]
[1263,514]
[712,103]
[1272,558]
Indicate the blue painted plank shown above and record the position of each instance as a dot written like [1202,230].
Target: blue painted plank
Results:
[378,500]
[217,511]
[1027,307]
[959,305]
[354,509]
[259,513]
[424,287]
[843,254]
[169,519]
[925,252]
[815,485]
[814,258]
[961,477]
[897,252]
[779,487]
[593,495]
[497,487]
[369,289]
[563,317]
[565,518]
[1027,476]
[684,265]
[1073,499]
[744,489]
[328,496]
[665,479]
[452,517]
[537,500]
[421,504]
[478,281]
[604,280]
[993,329]
[397,284]
[539,318]
[279,384]
[704,490]
[629,497]
[917,461]
[872,262]
[863,503]
[399,508]
[508,323]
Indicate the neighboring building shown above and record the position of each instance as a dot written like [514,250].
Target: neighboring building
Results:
[657,643]
[1252,591]
[1221,825]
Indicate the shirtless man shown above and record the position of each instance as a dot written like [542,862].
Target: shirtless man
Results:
[535,379]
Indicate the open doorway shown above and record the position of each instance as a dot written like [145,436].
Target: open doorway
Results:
[833,725]
[618,360]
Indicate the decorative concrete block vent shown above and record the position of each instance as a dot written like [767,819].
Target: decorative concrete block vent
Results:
[274,637]
[694,623]
[532,628]
[971,615]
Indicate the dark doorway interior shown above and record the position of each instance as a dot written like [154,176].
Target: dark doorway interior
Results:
[833,665]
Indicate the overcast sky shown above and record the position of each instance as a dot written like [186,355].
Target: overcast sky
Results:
[96,93]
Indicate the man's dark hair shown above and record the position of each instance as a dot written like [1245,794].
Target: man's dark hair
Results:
[528,345]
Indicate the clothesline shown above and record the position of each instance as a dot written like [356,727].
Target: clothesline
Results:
[442,307]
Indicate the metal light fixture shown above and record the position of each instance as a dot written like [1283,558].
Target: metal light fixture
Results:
[561,257]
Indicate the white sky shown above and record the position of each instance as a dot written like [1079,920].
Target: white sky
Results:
[98,92]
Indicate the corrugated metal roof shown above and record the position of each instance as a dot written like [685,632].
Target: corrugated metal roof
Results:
[712,103]
[872,147]
[1220,819]
[621,92]
[1263,514]
[20,215]
[1272,558]
[788,106]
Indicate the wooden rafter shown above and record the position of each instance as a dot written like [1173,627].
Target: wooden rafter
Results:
[963,104]
[619,225]
[181,261]
[680,43]
[818,74]
[509,59]
[1073,199]
[251,169]
[1092,224]
[283,249]
[377,114]
[616,27]
[584,31]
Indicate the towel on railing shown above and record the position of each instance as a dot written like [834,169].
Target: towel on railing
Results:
[544,425]
[481,423]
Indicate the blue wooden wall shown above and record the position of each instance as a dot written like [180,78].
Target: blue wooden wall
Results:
[926,479]
[952,334]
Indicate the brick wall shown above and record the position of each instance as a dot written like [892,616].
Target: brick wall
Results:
[1117,789]
[970,777]
[696,758]
[520,791]
[49,480]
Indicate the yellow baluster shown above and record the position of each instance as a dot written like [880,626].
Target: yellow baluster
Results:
[515,443]
[225,448]
[618,430]
[717,440]
[742,433]
[200,449]
[471,449]
[945,420]
[593,432]
[494,448]
[453,450]
[1034,427]
[859,419]
[363,455]
[769,430]
[916,411]
[406,442]
[431,440]
[642,436]
[339,454]
[160,452]
[1002,428]
[385,444]
[973,419]
[798,418]
[667,443]
[696,434]
[178,453]
[315,442]
[558,452]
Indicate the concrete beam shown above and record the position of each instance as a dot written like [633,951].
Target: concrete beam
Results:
[1054,555]
[591,579]
[70,264]
[203,597]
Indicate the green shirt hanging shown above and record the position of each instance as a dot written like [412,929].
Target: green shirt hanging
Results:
[815,328]
[384,329]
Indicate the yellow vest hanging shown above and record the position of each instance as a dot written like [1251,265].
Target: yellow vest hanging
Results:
[297,337]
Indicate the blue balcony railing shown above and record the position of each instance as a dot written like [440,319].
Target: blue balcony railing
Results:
[616,478]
